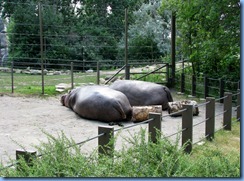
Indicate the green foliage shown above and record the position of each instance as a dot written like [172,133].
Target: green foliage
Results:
[209,35]
[61,157]
[148,35]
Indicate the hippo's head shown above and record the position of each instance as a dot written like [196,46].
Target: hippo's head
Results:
[62,100]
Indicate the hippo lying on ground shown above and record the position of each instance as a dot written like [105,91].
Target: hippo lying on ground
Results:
[98,103]
[141,93]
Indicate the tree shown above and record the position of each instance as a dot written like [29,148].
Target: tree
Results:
[148,35]
[209,35]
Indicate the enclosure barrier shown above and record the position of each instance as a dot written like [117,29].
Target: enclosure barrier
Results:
[206,86]
[106,133]
[98,69]
[218,86]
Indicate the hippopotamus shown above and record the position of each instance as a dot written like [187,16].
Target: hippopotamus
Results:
[98,103]
[141,93]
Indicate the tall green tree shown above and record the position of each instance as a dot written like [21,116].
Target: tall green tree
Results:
[22,29]
[148,35]
[101,25]
[209,35]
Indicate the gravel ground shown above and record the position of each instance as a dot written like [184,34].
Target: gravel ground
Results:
[23,121]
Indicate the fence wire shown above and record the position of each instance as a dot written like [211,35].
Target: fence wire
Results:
[176,133]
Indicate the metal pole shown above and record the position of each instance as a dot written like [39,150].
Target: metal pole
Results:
[173,33]
[98,73]
[238,111]
[72,74]
[221,89]
[126,45]
[205,87]
[12,76]
[193,88]
[41,43]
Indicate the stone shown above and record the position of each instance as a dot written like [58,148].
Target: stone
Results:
[62,87]
[178,105]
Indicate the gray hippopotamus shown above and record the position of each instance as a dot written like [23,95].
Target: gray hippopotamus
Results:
[98,103]
[141,93]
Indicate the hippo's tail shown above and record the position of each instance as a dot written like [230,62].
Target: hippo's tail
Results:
[124,115]
[169,96]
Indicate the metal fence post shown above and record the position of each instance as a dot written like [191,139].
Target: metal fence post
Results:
[227,111]
[205,86]
[98,73]
[127,76]
[167,74]
[41,43]
[238,110]
[28,157]
[221,89]
[127,72]
[182,87]
[12,77]
[72,74]
[154,126]
[187,118]
[193,83]
[105,143]
[210,118]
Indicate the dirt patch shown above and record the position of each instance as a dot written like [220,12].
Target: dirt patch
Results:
[23,121]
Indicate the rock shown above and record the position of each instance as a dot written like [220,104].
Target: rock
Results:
[178,105]
[35,72]
[62,87]
[18,71]
[89,71]
[57,73]
[101,80]
[141,113]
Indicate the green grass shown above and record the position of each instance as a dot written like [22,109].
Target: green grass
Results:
[32,84]
[219,158]
[25,84]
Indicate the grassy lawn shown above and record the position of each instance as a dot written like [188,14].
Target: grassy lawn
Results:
[32,84]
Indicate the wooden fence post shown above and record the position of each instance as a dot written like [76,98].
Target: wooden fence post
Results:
[221,89]
[154,127]
[72,74]
[98,73]
[227,111]
[193,88]
[182,87]
[205,86]
[210,118]
[238,110]
[105,143]
[28,156]
[12,76]
[187,118]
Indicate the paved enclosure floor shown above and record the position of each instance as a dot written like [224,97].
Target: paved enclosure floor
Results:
[23,121]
